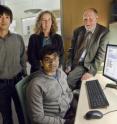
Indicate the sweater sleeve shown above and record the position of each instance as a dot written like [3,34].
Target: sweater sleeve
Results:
[35,106]
[23,56]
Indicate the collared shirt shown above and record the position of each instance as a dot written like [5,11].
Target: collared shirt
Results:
[85,51]
[46,41]
[12,56]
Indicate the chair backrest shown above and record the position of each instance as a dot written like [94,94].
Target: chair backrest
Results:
[21,89]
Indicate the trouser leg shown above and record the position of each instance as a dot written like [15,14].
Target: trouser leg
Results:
[71,113]
[5,105]
[75,76]
[7,118]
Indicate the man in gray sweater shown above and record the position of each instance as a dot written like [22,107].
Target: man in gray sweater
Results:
[12,67]
[49,99]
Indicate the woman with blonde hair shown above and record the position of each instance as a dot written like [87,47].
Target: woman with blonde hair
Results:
[45,34]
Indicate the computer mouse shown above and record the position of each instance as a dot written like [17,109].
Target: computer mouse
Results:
[95,114]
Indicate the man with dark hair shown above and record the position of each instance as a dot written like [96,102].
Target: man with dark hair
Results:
[6,11]
[12,67]
[49,99]
[87,50]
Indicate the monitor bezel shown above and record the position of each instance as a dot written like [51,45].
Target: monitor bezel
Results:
[108,45]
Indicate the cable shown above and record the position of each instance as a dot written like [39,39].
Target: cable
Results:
[109,112]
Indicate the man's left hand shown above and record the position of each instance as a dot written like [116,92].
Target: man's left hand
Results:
[86,76]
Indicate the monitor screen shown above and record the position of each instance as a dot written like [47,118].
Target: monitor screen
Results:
[110,62]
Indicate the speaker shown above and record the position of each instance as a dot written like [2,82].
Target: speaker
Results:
[114,11]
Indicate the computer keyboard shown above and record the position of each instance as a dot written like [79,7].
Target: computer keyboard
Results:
[97,98]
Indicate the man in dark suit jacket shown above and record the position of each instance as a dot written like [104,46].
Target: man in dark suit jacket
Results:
[84,60]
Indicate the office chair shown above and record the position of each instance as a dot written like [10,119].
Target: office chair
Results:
[21,89]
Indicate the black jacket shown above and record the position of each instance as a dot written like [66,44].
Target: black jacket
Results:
[36,43]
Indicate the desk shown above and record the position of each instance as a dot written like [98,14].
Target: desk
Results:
[83,105]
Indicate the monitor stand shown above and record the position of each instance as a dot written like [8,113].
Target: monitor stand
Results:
[111,85]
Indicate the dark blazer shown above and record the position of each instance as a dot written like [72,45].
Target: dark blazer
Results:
[36,43]
[96,49]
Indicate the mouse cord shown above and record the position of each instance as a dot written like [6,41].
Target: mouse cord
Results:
[110,112]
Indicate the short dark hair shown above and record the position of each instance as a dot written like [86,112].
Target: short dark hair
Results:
[6,10]
[48,50]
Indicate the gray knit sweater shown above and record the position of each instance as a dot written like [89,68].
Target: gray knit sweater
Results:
[12,56]
[48,98]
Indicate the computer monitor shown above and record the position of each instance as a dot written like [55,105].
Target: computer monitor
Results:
[110,62]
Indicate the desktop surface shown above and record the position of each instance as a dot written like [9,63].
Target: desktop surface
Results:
[83,105]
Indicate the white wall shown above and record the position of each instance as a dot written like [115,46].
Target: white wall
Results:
[113,33]
[19,6]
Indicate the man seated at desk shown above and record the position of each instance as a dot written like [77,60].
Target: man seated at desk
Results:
[87,49]
[49,99]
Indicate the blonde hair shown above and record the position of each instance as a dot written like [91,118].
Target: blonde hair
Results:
[38,27]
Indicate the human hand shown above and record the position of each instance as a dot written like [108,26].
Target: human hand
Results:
[86,76]
[68,69]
